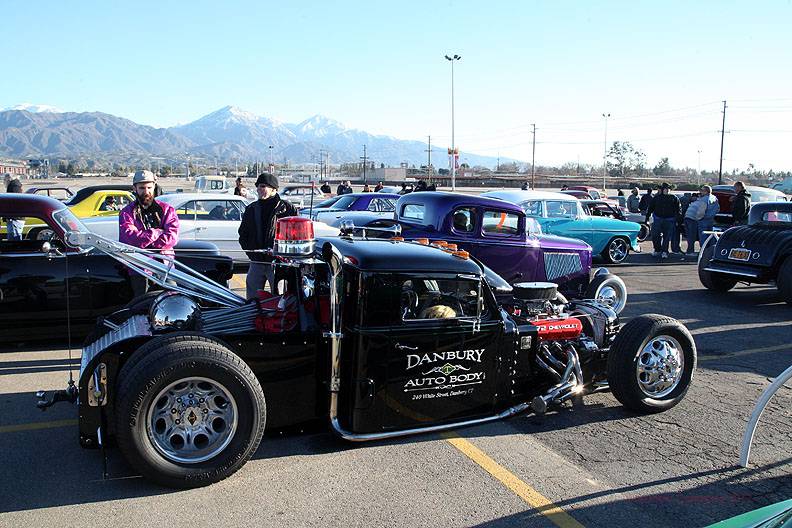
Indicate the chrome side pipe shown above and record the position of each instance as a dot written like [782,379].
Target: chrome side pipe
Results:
[167,272]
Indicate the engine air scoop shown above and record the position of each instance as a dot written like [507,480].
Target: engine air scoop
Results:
[535,291]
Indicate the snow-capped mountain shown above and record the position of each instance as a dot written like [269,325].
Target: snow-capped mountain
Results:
[228,133]
[233,125]
[34,108]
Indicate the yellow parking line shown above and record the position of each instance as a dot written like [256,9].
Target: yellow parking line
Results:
[36,425]
[532,497]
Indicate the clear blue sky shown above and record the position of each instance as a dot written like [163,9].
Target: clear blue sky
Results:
[379,66]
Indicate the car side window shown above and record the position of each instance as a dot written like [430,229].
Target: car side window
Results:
[430,298]
[381,205]
[464,219]
[213,210]
[413,211]
[559,209]
[532,208]
[122,200]
[186,211]
[500,223]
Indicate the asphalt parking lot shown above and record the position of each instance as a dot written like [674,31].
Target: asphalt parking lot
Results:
[596,465]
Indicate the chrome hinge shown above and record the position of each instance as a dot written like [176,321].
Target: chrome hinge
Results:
[97,386]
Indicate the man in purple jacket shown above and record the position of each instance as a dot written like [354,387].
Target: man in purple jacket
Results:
[147,224]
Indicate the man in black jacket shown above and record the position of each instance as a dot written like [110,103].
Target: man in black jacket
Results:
[646,199]
[742,204]
[257,231]
[664,210]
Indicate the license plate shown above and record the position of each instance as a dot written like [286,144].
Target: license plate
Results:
[739,254]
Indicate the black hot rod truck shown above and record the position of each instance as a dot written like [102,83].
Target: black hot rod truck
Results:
[377,338]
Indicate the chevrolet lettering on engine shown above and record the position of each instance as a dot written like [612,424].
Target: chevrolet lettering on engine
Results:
[375,338]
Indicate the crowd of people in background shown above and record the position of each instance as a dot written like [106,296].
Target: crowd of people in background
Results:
[691,215]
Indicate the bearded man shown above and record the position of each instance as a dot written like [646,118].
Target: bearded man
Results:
[147,224]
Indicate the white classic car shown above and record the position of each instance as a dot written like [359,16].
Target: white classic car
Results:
[213,217]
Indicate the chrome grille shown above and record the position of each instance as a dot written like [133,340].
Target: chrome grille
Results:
[561,264]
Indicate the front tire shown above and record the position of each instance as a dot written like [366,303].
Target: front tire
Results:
[188,414]
[716,282]
[651,363]
[608,289]
[616,251]
[784,280]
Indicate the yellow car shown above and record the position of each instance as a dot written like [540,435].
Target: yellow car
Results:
[100,200]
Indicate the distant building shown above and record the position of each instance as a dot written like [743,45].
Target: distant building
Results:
[394,174]
[16,168]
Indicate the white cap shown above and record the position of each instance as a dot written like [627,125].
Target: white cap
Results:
[143,176]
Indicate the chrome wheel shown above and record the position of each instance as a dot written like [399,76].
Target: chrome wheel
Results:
[192,420]
[660,366]
[612,297]
[617,250]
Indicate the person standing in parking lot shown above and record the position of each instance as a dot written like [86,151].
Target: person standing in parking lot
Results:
[345,187]
[147,224]
[633,201]
[257,231]
[712,208]
[378,187]
[742,204]
[646,199]
[664,210]
[14,226]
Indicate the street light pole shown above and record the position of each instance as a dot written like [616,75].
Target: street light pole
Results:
[605,153]
[699,167]
[453,145]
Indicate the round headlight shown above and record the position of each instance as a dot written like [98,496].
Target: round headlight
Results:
[174,311]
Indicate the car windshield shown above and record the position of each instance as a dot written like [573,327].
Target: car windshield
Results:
[763,195]
[327,203]
[344,202]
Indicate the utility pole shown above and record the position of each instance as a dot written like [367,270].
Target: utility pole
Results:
[723,131]
[605,153]
[429,159]
[365,162]
[533,158]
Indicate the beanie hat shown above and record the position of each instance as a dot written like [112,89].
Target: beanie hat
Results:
[265,178]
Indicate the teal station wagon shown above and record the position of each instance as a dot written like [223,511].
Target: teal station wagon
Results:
[563,215]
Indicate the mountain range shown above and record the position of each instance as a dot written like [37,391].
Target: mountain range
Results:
[32,131]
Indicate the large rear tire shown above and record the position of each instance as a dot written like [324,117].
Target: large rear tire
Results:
[713,281]
[189,413]
[651,363]
[784,280]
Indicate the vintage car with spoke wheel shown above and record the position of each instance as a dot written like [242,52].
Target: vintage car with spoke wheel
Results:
[377,339]
[757,253]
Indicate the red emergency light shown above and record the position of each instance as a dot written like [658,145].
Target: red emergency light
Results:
[294,235]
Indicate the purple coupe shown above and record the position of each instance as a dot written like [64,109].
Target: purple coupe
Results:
[500,235]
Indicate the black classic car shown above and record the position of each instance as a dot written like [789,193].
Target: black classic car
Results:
[760,252]
[40,279]
[374,338]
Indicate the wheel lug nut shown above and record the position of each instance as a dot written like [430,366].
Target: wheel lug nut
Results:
[191,395]
[201,400]
[206,411]
[173,411]
[178,422]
